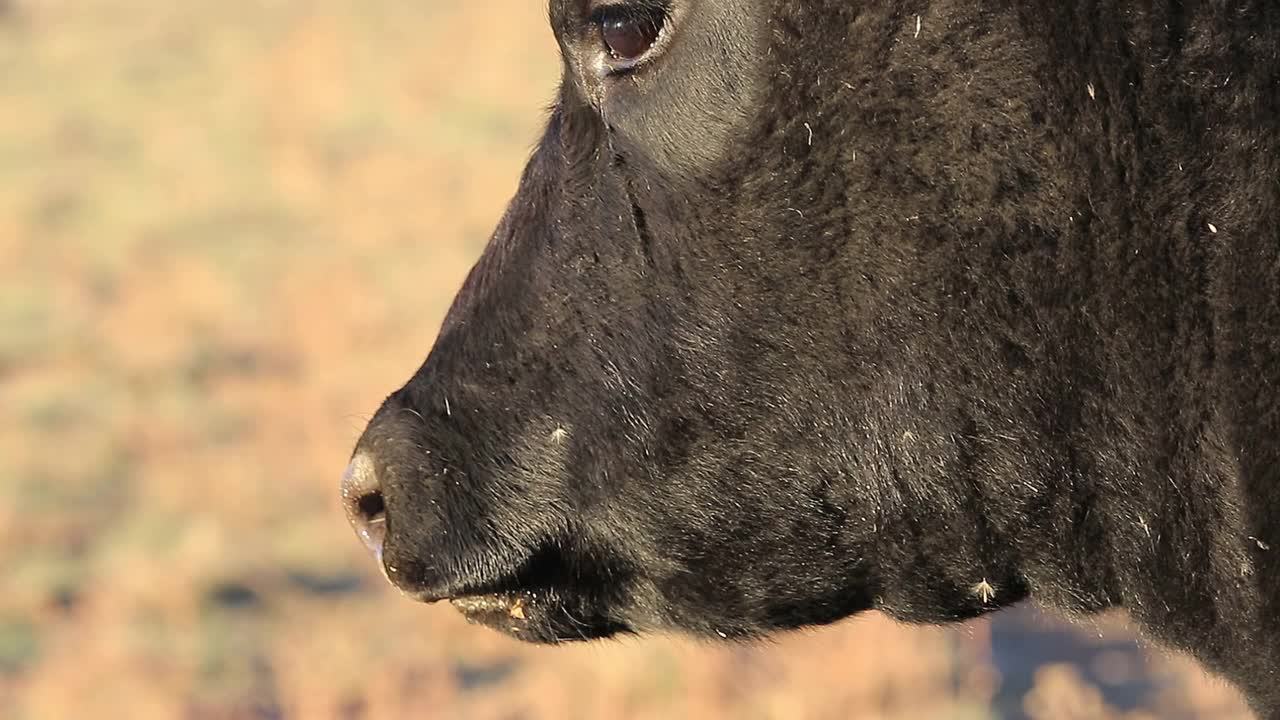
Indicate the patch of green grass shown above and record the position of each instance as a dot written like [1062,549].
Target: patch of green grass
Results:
[51,413]
[86,491]
[27,323]
[19,645]
[45,572]
[233,666]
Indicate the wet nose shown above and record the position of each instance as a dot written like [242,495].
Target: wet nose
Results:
[362,499]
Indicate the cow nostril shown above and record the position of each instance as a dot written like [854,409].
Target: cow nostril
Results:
[371,506]
[365,506]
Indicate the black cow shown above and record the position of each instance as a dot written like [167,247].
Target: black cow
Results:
[807,307]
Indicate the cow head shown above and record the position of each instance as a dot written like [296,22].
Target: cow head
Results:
[646,409]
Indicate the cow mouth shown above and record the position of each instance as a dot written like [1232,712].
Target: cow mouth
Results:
[506,612]
[508,605]
[487,608]
[510,598]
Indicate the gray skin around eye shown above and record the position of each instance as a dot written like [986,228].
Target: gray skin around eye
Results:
[685,107]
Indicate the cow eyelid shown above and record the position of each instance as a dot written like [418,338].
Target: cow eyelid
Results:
[625,11]
[629,33]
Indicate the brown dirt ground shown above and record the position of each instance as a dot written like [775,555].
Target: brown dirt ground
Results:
[227,229]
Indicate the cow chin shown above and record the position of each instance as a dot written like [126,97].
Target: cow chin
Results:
[544,595]
[511,613]
[533,616]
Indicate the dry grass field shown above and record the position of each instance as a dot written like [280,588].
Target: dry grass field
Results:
[227,230]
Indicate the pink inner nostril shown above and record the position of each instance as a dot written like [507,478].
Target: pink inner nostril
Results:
[372,526]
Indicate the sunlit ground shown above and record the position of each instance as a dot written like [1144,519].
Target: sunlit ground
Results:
[227,230]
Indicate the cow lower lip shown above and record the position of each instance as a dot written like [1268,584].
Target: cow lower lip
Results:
[482,603]
[504,604]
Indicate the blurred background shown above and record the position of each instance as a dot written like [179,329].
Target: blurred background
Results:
[228,228]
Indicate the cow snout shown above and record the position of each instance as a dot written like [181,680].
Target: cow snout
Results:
[362,499]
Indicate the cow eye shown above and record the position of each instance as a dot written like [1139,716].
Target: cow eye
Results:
[628,32]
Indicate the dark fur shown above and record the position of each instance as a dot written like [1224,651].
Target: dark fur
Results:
[816,315]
